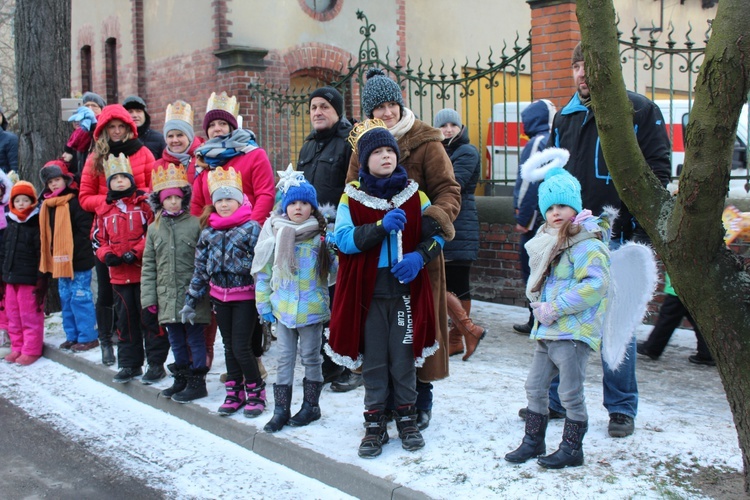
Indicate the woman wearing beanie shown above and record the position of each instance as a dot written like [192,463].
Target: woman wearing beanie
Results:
[464,248]
[180,138]
[115,134]
[424,158]
[25,286]
[232,146]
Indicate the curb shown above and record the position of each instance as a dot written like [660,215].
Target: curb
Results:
[345,477]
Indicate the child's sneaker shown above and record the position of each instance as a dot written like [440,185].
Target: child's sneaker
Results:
[67,345]
[256,399]
[85,346]
[153,374]
[25,360]
[235,397]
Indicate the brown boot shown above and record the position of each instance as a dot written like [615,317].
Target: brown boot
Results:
[460,318]
[455,341]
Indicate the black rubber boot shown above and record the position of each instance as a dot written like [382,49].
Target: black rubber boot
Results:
[179,373]
[196,386]
[105,322]
[282,401]
[406,422]
[376,434]
[310,411]
[570,453]
[533,444]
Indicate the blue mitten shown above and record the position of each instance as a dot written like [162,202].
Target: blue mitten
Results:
[187,313]
[85,118]
[268,317]
[395,220]
[406,270]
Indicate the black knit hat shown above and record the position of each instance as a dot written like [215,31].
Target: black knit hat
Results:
[331,95]
[379,89]
[373,139]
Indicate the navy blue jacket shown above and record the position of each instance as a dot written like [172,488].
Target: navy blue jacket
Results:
[8,151]
[466,168]
[574,129]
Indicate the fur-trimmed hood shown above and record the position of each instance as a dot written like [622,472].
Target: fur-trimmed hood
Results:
[156,204]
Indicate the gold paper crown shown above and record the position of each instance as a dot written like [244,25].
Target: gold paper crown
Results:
[169,176]
[224,177]
[363,127]
[117,165]
[223,102]
[179,110]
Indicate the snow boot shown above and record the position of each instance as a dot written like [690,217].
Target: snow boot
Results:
[196,386]
[458,311]
[455,341]
[282,401]
[570,452]
[310,411]
[179,372]
[235,398]
[406,422]
[105,322]
[533,444]
[376,434]
[256,399]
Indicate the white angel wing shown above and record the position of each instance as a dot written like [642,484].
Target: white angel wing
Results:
[633,279]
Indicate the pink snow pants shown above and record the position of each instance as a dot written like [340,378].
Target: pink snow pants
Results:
[25,320]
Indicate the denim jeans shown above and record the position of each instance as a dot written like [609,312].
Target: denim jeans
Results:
[565,360]
[77,301]
[309,352]
[181,336]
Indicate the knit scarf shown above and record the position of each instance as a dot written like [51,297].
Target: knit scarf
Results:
[219,150]
[22,215]
[128,148]
[278,239]
[184,158]
[57,250]
[239,217]
[404,124]
[384,188]
[541,250]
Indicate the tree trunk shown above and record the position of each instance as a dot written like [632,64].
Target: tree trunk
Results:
[687,233]
[42,42]
[42,79]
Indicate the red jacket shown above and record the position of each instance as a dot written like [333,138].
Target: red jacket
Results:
[93,190]
[257,183]
[167,158]
[119,232]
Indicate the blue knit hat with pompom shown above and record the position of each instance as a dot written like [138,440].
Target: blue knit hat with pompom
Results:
[559,188]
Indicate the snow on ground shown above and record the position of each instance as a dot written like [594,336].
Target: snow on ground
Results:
[684,424]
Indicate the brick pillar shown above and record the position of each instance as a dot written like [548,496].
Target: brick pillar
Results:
[554,35]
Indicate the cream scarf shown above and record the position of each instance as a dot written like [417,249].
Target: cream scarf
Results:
[403,125]
[277,240]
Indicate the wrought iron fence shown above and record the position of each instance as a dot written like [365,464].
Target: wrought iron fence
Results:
[488,94]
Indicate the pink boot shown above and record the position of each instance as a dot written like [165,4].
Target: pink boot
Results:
[256,399]
[27,360]
[235,397]
[12,357]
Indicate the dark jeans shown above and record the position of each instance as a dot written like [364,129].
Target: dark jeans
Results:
[181,336]
[670,317]
[134,329]
[237,321]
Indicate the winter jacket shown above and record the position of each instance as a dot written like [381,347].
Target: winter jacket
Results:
[121,227]
[466,168]
[258,184]
[167,158]
[20,250]
[152,139]
[8,151]
[168,264]
[537,120]
[324,159]
[93,188]
[223,259]
[577,288]
[303,300]
[574,128]
[80,220]
[426,161]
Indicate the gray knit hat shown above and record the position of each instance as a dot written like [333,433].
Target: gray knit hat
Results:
[379,89]
[447,115]
[577,54]
[93,97]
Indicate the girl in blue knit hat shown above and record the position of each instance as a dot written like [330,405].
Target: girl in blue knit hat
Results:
[570,277]
[293,267]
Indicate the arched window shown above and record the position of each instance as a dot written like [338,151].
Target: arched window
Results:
[110,55]
[86,83]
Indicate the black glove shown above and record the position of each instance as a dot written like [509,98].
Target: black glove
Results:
[430,227]
[112,260]
[40,291]
[128,257]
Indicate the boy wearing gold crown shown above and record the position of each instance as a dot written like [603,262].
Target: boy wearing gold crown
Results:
[223,260]
[230,145]
[122,223]
[66,255]
[168,264]
[382,316]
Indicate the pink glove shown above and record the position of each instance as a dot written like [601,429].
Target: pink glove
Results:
[544,312]
[153,309]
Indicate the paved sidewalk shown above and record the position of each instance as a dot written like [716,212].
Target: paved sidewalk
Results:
[475,424]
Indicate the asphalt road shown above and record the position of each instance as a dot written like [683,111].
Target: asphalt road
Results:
[36,461]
